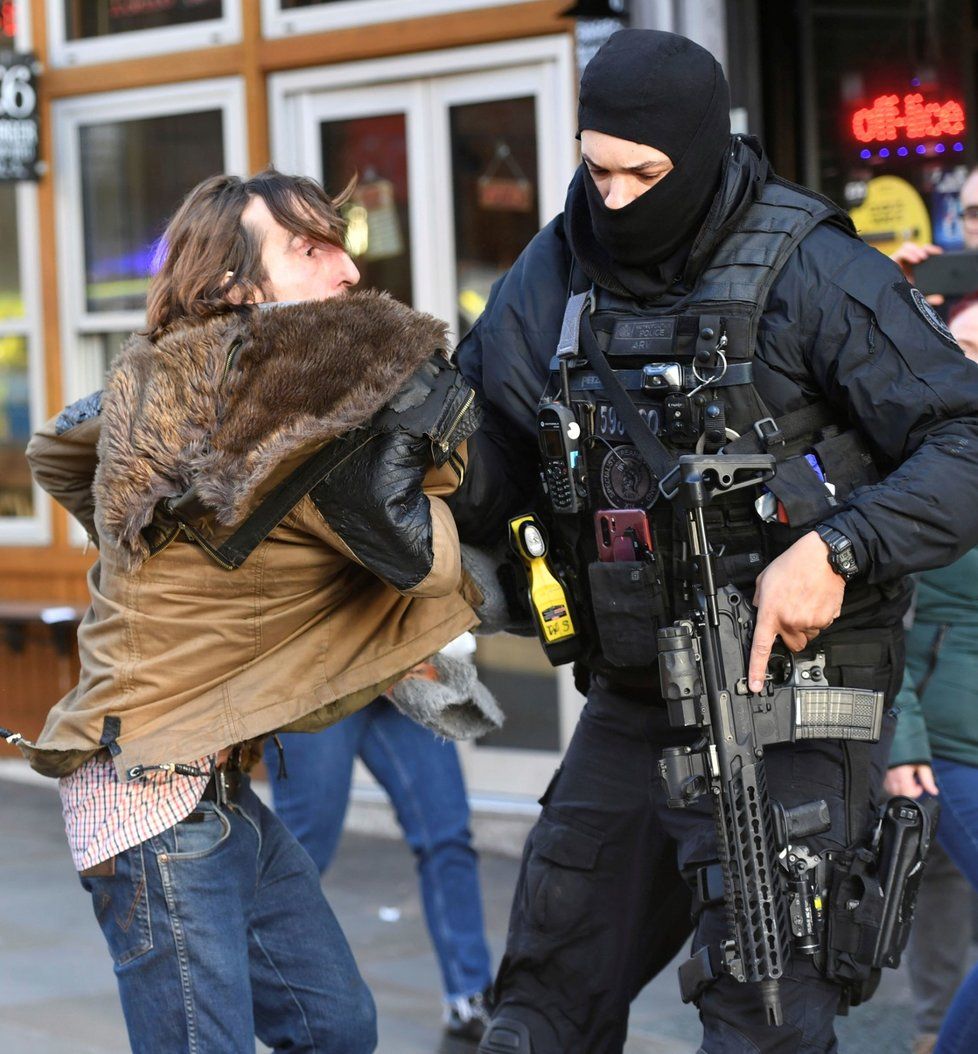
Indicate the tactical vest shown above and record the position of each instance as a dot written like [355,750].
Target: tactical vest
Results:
[688,370]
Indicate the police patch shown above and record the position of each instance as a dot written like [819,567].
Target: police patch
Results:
[626,480]
[931,317]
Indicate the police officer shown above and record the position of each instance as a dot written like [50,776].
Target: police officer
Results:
[736,310]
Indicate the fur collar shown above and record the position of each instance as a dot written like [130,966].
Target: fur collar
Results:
[221,403]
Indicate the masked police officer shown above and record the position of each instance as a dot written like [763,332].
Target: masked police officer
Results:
[740,311]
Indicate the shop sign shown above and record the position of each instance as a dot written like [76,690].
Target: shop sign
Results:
[498,194]
[892,213]
[910,117]
[18,117]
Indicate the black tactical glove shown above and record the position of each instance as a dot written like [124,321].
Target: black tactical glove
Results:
[375,501]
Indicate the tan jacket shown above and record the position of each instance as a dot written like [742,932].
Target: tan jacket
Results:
[182,656]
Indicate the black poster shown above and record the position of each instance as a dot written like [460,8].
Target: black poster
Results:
[18,117]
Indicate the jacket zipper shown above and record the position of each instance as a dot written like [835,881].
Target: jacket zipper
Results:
[227,362]
[213,553]
[443,443]
[457,465]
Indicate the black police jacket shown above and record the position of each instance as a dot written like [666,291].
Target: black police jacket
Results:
[840,325]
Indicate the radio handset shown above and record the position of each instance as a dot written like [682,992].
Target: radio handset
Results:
[559,435]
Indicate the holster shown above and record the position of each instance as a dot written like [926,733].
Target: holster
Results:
[872,894]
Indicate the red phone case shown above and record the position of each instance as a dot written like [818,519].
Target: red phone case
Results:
[614,544]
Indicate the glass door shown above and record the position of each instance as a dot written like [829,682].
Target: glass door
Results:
[377,134]
[461,158]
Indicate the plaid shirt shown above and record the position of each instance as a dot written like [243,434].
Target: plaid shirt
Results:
[104,816]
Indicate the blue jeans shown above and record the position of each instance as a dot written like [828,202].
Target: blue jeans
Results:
[220,932]
[421,774]
[958,833]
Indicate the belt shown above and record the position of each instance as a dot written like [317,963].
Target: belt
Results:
[224,785]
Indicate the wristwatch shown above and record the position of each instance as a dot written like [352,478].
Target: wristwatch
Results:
[841,557]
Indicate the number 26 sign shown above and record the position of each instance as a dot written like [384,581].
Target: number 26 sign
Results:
[18,117]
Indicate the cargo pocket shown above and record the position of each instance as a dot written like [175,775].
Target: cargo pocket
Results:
[628,607]
[560,877]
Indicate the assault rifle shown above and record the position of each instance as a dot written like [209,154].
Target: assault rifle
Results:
[771,885]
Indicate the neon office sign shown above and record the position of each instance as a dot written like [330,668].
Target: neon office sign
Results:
[908,117]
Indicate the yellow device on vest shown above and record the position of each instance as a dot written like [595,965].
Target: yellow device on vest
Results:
[548,597]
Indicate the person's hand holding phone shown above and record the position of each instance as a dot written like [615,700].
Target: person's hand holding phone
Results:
[909,255]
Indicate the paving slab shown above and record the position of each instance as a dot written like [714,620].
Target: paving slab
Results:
[57,989]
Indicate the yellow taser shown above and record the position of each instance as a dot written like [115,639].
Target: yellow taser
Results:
[548,598]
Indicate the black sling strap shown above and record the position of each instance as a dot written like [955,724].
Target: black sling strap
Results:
[272,509]
[578,335]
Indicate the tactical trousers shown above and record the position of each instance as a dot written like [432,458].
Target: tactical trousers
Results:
[604,900]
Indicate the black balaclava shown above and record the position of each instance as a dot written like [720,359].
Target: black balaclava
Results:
[665,91]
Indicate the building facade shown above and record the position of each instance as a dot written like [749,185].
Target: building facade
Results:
[458,116]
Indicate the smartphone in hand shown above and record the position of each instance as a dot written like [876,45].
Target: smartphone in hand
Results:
[949,274]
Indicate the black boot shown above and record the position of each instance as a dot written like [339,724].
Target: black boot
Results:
[506,1036]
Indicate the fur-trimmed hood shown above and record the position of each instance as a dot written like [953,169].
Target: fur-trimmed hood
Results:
[221,403]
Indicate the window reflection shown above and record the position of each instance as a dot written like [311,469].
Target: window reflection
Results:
[495,192]
[134,174]
[8,24]
[11,301]
[516,671]
[99,18]
[378,232]
[16,497]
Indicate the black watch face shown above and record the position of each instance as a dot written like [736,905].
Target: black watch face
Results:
[845,562]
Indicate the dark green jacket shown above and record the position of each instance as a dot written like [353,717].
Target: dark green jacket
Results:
[942,659]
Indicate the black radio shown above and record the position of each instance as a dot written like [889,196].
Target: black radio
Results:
[559,434]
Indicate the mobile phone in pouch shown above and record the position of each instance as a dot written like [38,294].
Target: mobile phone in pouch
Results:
[622,534]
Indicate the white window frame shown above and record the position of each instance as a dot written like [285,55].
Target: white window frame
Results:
[139,43]
[36,529]
[499,778]
[68,117]
[282,22]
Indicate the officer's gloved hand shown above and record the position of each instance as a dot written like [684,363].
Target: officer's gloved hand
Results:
[505,607]
[375,501]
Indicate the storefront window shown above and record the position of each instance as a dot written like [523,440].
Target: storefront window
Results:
[8,24]
[516,671]
[495,194]
[11,298]
[286,17]
[85,19]
[16,498]
[378,231]
[133,174]
[894,123]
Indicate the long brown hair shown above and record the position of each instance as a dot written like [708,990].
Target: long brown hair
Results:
[205,240]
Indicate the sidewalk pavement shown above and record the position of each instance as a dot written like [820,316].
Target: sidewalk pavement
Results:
[57,990]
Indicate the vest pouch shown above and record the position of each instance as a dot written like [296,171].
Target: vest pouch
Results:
[855,911]
[628,607]
[847,461]
[803,494]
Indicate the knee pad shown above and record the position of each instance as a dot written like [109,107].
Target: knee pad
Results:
[506,1036]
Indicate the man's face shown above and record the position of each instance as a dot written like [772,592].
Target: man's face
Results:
[622,171]
[969,204]
[296,268]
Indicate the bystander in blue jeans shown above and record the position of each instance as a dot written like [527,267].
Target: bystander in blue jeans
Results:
[422,776]
[957,832]
[219,932]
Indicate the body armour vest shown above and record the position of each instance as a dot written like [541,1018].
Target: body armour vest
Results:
[688,370]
